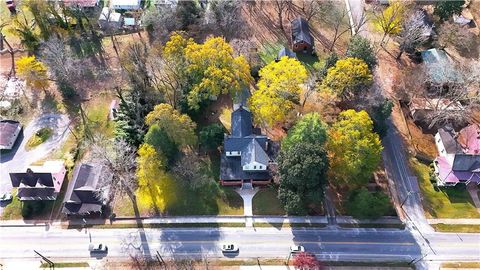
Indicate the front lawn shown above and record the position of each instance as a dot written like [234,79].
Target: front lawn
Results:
[447,202]
[265,202]
[179,200]
[13,210]
[39,137]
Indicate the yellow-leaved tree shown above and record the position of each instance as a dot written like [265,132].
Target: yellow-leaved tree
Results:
[33,72]
[279,89]
[354,150]
[178,127]
[214,70]
[389,21]
[347,77]
[154,184]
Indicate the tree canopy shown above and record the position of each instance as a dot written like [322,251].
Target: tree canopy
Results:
[33,72]
[447,8]
[365,204]
[309,129]
[389,21]
[179,127]
[211,136]
[360,47]
[278,90]
[347,77]
[354,149]
[302,170]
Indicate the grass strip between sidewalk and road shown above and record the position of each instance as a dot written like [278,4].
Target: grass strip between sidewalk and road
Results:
[456,228]
[400,226]
[461,265]
[66,265]
[158,225]
[288,225]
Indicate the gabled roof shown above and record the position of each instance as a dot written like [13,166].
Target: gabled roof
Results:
[231,169]
[36,193]
[449,142]
[254,153]
[469,138]
[237,144]
[241,123]
[286,52]
[465,162]
[31,179]
[9,130]
[301,31]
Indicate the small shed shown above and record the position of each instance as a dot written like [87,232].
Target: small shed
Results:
[109,18]
[285,52]
[302,40]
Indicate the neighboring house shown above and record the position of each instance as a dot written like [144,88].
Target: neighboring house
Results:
[420,108]
[302,40]
[109,19]
[40,183]
[438,65]
[9,131]
[459,156]
[83,196]
[285,52]
[245,158]
[125,4]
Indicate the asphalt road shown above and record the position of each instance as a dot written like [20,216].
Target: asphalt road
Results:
[331,244]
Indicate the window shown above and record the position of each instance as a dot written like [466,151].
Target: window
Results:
[254,167]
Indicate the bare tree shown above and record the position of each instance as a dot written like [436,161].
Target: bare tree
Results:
[337,17]
[281,6]
[459,37]
[192,170]
[312,8]
[448,92]
[226,17]
[414,32]
[118,159]
[160,21]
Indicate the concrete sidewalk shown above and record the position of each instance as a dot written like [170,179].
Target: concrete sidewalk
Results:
[204,220]
[459,221]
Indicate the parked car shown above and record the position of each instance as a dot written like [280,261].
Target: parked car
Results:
[6,197]
[100,249]
[11,6]
[296,249]
[229,248]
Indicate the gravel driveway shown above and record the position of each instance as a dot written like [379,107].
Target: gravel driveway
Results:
[19,158]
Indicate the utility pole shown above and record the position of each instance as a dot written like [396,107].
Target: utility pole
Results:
[51,265]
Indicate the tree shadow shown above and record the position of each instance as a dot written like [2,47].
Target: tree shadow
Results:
[144,247]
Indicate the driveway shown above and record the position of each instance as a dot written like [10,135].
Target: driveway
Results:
[19,158]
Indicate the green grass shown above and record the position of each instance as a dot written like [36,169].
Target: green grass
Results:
[39,137]
[160,225]
[14,209]
[66,265]
[98,110]
[373,225]
[269,52]
[448,202]
[289,225]
[471,265]
[265,202]
[208,201]
[456,228]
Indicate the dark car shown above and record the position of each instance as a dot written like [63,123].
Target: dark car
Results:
[101,249]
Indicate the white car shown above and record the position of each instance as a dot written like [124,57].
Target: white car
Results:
[230,247]
[6,197]
[296,249]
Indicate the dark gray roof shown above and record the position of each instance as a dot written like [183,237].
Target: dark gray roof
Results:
[237,144]
[231,169]
[83,198]
[241,122]
[8,133]
[301,31]
[31,179]
[464,162]
[451,145]
[241,98]
[286,52]
[253,152]
[36,193]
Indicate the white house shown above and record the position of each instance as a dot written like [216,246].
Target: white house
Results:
[125,4]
